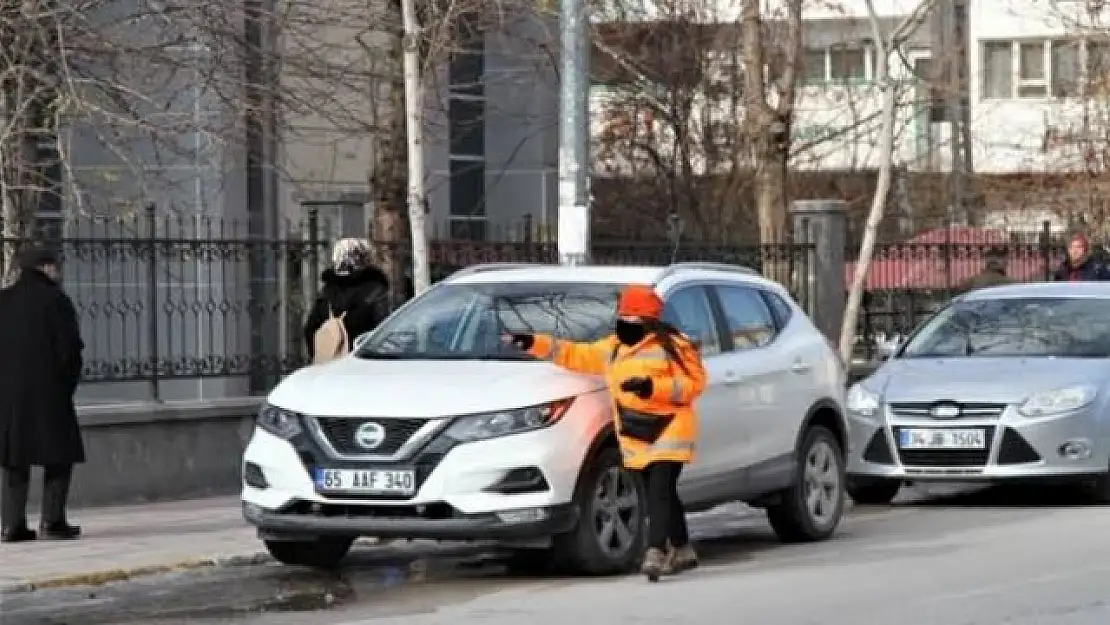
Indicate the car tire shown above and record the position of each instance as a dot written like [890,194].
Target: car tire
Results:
[820,464]
[873,491]
[580,550]
[322,553]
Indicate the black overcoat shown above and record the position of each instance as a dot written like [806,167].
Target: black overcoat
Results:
[40,367]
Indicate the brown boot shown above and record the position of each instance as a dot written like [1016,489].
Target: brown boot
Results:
[653,564]
[683,559]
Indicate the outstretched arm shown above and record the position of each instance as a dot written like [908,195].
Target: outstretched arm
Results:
[589,358]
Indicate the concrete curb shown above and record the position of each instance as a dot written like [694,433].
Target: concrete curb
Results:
[99,578]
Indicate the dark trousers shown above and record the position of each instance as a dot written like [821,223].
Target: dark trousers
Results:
[666,516]
[55,492]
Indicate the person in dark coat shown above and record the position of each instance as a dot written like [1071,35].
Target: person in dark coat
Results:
[993,274]
[1080,263]
[40,367]
[352,285]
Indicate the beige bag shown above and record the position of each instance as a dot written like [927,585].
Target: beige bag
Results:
[330,341]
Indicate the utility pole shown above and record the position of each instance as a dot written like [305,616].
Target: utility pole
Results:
[574,134]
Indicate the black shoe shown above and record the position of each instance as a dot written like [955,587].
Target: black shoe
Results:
[60,531]
[17,535]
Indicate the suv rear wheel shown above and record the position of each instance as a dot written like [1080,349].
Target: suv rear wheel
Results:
[322,553]
[810,510]
[610,535]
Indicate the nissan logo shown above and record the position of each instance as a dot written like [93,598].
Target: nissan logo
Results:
[370,435]
[944,411]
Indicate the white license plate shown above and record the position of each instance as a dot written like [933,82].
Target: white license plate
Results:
[371,481]
[936,438]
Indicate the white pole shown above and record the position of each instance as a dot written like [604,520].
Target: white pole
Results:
[414,129]
[574,135]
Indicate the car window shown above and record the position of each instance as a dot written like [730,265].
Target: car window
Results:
[467,321]
[779,308]
[689,311]
[750,323]
[1016,327]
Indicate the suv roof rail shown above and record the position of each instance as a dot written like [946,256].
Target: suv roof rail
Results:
[674,268]
[485,267]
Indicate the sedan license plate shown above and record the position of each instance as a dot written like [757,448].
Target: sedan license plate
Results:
[369,482]
[937,438]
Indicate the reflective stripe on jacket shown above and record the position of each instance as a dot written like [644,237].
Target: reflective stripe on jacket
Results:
[670,407]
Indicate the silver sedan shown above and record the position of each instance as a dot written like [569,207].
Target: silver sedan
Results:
[1004,383]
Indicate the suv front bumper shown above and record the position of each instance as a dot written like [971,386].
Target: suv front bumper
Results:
[505,525]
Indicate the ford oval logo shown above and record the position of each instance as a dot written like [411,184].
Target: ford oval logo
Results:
[370,435]
[944,411]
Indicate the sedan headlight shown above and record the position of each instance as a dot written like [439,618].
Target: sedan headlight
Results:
[279,422]
[862,401]
[1058,401]
[503,423]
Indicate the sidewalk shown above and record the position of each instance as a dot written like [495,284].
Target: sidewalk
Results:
[127,541]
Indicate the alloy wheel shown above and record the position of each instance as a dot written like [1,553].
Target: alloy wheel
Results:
[821,482]
[616,512]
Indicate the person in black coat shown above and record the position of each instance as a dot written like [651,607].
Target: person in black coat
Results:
[351,285]
[40,367]
[1081,263]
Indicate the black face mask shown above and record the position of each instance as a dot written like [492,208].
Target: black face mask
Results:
[630,333]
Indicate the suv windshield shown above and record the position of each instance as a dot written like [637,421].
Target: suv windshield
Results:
[1061,327]
[466,321]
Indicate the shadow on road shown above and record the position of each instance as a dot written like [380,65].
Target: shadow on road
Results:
[1029,495]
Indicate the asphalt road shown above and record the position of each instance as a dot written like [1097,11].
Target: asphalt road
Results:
[981,558]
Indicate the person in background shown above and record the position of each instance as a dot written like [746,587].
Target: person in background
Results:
[40,367]
[1080,263]
[993,274]
[654,374]
[354,291]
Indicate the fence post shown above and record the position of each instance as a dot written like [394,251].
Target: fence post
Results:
[1046,248]
[823,223]
[152,302]
[314,245]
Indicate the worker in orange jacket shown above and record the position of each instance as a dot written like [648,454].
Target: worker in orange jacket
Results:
[654,374]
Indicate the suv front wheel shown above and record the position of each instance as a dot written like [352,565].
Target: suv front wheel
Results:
[811,508]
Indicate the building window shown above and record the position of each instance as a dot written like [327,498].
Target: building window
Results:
[998,69]
[466,109]
[845,64]
[1058,68]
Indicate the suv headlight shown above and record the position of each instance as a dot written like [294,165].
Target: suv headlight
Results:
[281,423]
[1058,401]
[486,425]
[862,401]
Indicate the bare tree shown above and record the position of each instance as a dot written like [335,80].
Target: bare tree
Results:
[888,45]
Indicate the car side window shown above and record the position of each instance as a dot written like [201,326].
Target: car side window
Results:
[689,311]
[780,310]
[750,322]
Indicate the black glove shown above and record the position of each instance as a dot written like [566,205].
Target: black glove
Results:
[641,387]
[523,341]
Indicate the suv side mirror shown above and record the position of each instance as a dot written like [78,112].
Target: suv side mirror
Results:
[890,347]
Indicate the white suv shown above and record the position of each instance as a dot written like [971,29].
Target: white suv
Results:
[433,428]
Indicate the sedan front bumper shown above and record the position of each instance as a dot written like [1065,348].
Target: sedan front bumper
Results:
[1016,447]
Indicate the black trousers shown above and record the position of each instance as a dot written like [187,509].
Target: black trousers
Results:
[14,491]
[666,516]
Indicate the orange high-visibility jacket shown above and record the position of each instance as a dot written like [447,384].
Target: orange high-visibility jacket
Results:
[662,427]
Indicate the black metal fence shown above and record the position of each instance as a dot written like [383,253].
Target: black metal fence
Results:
[909,281]
[163,300]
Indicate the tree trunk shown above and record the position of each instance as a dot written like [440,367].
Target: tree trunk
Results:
[882,188]
[389,176]
[414,126]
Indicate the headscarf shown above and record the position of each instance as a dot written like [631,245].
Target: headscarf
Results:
[349,255]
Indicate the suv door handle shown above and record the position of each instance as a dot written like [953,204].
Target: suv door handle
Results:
[800,366]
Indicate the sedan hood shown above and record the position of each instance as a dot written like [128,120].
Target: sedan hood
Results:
[425,388]
[989,380]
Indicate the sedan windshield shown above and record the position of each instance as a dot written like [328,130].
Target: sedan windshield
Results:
[1028,327]
[466,321]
